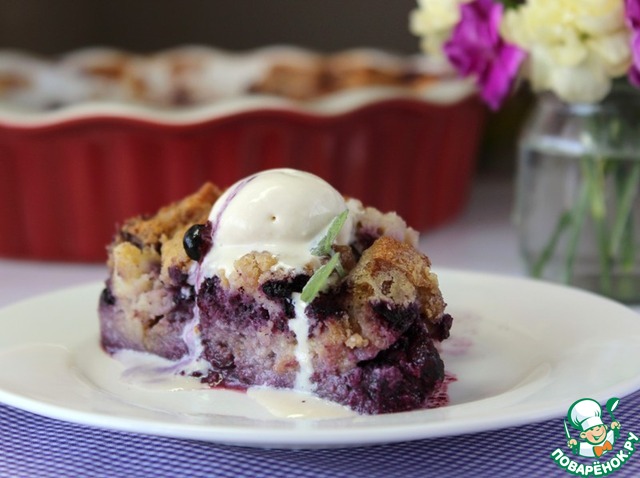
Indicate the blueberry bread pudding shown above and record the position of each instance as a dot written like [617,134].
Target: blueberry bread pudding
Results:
[281,282]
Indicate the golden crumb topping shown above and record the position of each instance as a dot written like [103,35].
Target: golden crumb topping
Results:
[394,272]
[193,209]
[163,231]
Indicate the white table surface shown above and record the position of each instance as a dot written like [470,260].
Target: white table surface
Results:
[481,239]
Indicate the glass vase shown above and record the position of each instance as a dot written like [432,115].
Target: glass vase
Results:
[577,209]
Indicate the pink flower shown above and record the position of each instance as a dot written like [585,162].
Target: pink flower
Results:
[632,10]
[476,49]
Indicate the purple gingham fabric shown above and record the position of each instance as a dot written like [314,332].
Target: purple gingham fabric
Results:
[40,447]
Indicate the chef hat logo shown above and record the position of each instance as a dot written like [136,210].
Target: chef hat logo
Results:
[585,414]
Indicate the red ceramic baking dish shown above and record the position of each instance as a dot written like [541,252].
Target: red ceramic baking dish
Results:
[68,176]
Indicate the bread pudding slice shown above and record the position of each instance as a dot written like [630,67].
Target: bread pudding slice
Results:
[237,299]
[147,300]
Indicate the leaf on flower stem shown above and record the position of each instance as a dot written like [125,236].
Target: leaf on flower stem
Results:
[323,248]
[319,279]
[511,3]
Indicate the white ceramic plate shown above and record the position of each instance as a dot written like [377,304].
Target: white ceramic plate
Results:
[521,350]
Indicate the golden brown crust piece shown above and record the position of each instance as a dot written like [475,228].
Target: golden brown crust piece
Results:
[161,235]
[396,272]
[391,276]
[299,82]
[193,209]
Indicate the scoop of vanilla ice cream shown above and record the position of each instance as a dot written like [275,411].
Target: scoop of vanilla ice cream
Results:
[281,211]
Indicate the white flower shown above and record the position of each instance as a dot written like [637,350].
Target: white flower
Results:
[434,21]
[575,46]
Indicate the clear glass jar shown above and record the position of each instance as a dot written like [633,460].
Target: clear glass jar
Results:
[577,209]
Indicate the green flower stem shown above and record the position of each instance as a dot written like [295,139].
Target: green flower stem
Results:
[594,169]
[622,242]
[603,253]
[563,222]
[628,252]
[577,221]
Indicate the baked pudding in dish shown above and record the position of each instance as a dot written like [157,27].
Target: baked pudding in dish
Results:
[79,131]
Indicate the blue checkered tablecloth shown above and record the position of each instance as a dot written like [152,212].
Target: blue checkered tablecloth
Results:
[36,446]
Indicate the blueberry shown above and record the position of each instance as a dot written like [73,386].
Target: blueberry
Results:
[284,288]
[193,242]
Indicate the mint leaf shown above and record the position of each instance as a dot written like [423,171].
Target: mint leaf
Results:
[323,247]
[319,279]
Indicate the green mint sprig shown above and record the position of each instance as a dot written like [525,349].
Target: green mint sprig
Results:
[324,248]
[319,279]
